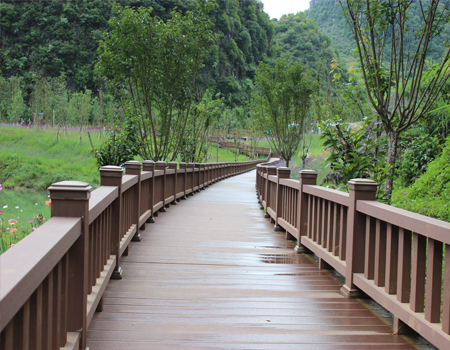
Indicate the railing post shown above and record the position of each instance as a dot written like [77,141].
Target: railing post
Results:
[197,179]
[174,166]
[149,165]
[307,177]
[71,199]
[111,175]
[192,175]
[282,173]
[184,166]
[161,165]
[271,171]
[203,176]
[133,167]
[359,189]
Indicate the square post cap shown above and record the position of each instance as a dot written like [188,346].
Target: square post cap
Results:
[191,165]
[161,165]
[271,170]
[182,165]
[133,165]
[197,165]
[365,185]
[172,165]
[70,190]
[148,165]
[283,172]
[308,174]
[111,171]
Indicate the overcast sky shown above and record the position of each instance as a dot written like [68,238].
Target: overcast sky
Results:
[277,8]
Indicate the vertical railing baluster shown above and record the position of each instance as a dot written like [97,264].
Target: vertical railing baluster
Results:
[369,262]
[418,273]
[433,281]
[307,177]
[391,259]
[404,266]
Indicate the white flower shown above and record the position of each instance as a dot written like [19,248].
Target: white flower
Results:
[35,203]
[5,206]
[17,207]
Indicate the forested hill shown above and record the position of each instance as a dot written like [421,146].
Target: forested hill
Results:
[328,16]
[54,38]
[300,39]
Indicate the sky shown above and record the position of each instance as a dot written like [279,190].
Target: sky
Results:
[277,8]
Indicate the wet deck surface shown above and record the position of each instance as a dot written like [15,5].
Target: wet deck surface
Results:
[211,273]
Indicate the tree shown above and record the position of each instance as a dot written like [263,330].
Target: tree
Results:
[203,116]
[151,67]
[393,50]
[285,99]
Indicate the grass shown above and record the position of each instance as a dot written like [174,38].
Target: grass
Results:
[20,212]
[34,159]
[312,140]
[225,154]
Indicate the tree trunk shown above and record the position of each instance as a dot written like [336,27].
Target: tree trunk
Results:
[392,155]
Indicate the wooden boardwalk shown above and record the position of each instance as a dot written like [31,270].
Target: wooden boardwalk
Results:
[211,273]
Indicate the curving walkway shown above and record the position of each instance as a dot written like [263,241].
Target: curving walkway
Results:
[211,273]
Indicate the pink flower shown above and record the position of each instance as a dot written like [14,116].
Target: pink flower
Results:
[30,222]
[34,228]
[49,202]
[405,192]
[12,245]
[12,221]
[13,230]
[1,212]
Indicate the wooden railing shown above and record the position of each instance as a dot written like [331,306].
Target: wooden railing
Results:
[394,256]
[243,147]
[52,282]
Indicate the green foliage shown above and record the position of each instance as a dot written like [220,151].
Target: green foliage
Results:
[284,99]
[120,146]
[21,212]
[419,151]
[34,159]
[151,67]
[204,115]
[52,38]
[355,151]
[329,17]
[430,194]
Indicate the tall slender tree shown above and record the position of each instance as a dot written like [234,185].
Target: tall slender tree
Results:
[151,67]
[285,98]
[393,50]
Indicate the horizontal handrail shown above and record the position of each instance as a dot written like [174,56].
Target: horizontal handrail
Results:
[424,225]
[101,198]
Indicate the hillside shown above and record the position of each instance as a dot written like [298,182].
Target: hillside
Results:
[329,18]
[53,38]
[300,39]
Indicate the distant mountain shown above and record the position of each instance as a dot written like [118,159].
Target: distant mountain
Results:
[300,39]
[328,16]
[51,38]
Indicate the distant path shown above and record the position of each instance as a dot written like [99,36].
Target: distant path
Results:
[212,274]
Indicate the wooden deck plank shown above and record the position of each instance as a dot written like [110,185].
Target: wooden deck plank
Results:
[212,273]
